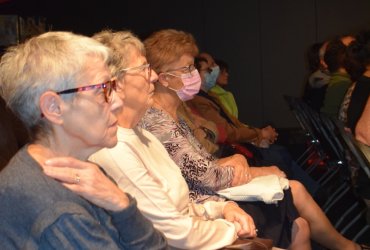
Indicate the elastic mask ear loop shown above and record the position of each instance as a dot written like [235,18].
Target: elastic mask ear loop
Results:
[177,77]
[175,89]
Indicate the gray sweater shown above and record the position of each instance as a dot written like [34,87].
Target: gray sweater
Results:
[37,212]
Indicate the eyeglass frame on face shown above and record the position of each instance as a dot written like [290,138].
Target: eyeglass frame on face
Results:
[143,67]
[107,87]
[184,70]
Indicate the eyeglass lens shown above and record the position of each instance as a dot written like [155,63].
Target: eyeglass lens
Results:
[107,88]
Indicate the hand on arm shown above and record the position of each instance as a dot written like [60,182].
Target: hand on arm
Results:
[88,181]
[243,222]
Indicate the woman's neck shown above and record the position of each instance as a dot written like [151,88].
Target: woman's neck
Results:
[167,103]
[44,149]
[40,153]
[128,118]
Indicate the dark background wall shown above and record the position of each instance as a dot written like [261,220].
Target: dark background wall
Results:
[264,41]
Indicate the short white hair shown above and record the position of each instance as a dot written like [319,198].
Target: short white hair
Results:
[50,61]
[123,44]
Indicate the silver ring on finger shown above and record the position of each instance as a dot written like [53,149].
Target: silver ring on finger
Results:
[77,179]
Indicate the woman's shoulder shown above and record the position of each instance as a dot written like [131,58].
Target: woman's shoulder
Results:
[151,117]
[155,119]
[23,182]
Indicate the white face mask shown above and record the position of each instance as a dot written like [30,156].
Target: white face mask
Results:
[191,82]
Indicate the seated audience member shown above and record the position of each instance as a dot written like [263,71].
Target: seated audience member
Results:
[359,66]
[206,131]
[234,131]
[148,172]
[239,132]
[340,80]
[362,131]
[226,97]
[318,78]
[169,53]
[59,85]
[355,69]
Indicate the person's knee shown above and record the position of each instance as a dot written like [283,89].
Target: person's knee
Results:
[297,188]
[299,193]
[301,229]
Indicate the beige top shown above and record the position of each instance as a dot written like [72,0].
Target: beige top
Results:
[142,167]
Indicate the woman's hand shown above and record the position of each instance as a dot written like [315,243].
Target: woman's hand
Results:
[242,172]
[86,180]
[243,222]
[261,171]
[269,133]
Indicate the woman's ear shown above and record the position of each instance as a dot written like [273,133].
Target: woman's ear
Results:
[50,106]
[163,79]
[120,86]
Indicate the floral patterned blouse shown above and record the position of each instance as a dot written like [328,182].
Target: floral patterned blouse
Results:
[200,169]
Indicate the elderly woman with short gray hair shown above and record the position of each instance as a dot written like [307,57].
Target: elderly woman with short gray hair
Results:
[59,85]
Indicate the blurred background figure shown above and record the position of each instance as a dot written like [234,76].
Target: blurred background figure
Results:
[318,77]
[226,97]
[358,65]
[340,81]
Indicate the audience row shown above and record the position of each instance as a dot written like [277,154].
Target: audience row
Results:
[338,84]
[130,143]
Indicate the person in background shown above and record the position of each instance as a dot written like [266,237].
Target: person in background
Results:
[358,56]
[340,80]
[318,78]
[206,131]
[231,128]
[226,97]
[261,142]
[60,87]
[362,131]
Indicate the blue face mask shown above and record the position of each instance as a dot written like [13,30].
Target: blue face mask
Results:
[211,78]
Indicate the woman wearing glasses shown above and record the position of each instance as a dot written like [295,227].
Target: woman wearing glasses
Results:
[141,165]
[51,198]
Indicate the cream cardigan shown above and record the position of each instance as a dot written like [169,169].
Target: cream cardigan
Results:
[142,167]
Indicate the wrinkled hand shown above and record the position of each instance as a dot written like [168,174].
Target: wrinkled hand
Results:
[270,134]
[242,172]
[243,222]
[88,181]
[261,171]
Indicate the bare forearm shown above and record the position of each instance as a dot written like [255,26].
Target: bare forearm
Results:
[362,132]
